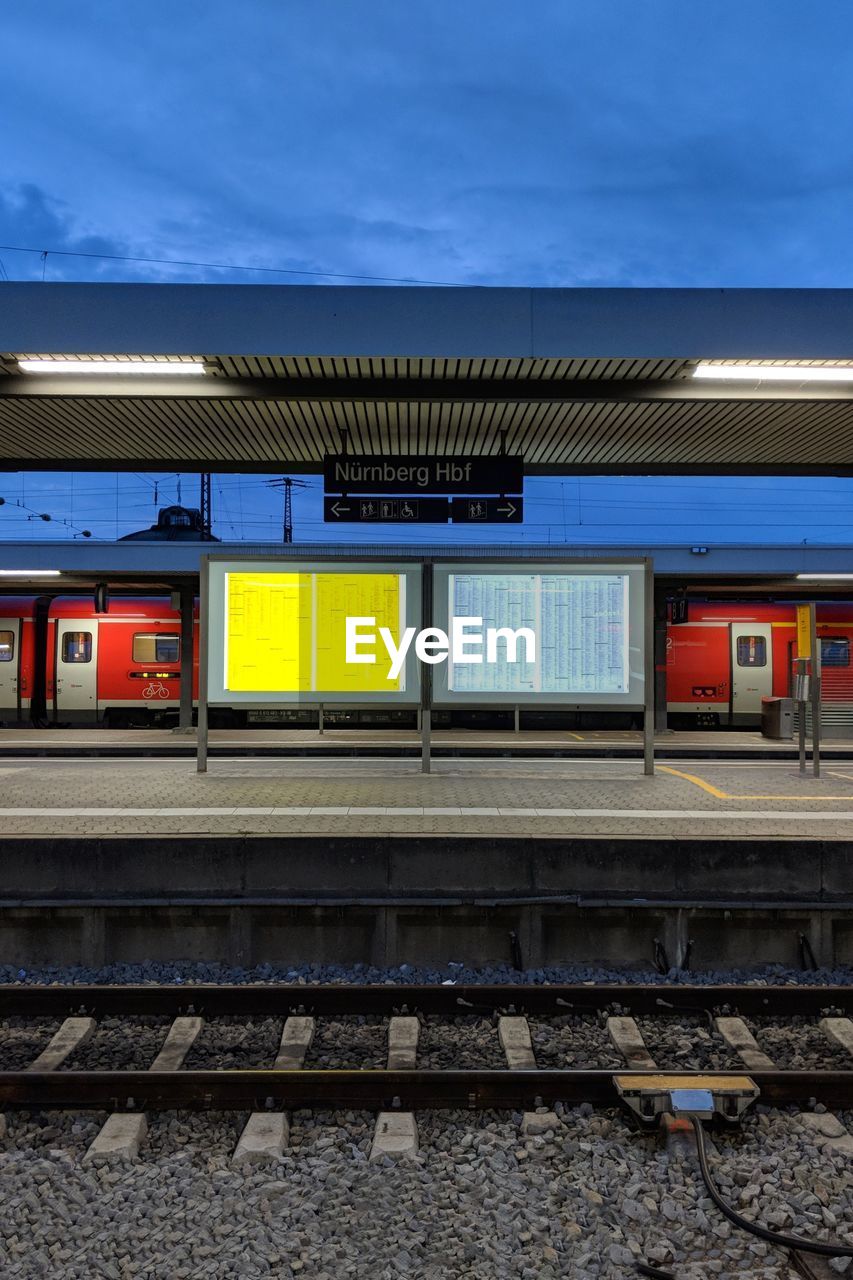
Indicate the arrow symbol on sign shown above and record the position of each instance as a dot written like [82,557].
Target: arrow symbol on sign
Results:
[509,509]
[338,510]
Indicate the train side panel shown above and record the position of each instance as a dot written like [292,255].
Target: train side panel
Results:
[131,656]
[729,655]
[17,658]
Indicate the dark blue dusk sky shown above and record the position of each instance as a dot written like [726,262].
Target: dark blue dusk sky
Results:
[470,142]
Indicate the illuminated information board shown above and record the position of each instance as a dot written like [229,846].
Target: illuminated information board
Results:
[277,631]
[587,627]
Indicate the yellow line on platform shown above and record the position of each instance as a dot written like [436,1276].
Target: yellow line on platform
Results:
[724,795]
[699,782]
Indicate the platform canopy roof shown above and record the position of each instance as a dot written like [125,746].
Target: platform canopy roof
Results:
[574,380]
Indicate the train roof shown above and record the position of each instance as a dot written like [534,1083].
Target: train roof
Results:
[142,607]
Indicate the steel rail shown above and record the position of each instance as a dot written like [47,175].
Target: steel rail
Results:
[384,999]
[371,1090]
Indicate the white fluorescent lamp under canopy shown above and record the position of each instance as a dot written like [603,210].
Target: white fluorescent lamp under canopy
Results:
[114,368]
[826,577]
[756,372]
[30,573]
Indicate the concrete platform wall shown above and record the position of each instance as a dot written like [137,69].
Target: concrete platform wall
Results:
[290,901]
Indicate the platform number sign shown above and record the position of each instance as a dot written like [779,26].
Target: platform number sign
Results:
[804,631]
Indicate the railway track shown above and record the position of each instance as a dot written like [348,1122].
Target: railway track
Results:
[167,1084]
[642,1026]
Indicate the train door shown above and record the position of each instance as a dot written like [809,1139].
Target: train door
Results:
[76,688]
[752,668]
[10,661]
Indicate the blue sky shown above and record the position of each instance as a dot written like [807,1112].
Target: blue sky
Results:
[483,142]
[622,509]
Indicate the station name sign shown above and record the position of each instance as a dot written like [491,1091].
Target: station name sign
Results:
[416,474]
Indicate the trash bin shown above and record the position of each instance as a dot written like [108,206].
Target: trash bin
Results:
[777,717]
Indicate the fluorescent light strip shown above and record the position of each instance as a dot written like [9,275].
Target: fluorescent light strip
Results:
[113,368]
[30,573]
[827,577]
[774,372]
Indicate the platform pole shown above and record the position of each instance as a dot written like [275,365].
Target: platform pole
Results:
[320,719]
[426,672]
[649,671]
[185,717]
[201,735]
[517,720]
[661,724]
[801,718]
[815,689]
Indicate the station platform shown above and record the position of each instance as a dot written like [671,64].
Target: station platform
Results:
[711,744]
[461,797]
[318,860]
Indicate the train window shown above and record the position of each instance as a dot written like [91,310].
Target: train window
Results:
[7,646]
[156,646]
[835,651]
[77,646]
[751,651]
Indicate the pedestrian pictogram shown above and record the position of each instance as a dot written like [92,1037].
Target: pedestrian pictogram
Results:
[386,510]
[487,510]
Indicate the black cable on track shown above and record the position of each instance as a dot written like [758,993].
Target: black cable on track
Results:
[763,1233]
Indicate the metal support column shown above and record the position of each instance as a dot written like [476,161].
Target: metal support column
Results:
[815,689]
[187,598]
[649,670]
[201,736]
[801,713]
[426,671]
[660,661]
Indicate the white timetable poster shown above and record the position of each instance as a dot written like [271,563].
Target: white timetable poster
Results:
[581,625]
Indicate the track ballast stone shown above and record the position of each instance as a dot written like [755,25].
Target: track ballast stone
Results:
[188,972]
[477,1201]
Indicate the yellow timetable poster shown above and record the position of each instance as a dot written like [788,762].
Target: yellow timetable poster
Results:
[286,632]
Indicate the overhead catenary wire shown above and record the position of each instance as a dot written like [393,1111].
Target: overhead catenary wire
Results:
[34,514]
[226,266]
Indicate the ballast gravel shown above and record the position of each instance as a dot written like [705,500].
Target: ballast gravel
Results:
[120,1044]
[478,1201]
[22,1040]
[572,1042]
[687,1044]
[235,1043]
[468,1043]
[798,1044]
[357,1042]
[453,972]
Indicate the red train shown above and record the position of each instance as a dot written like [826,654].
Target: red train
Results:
[727,657]
[61,662]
